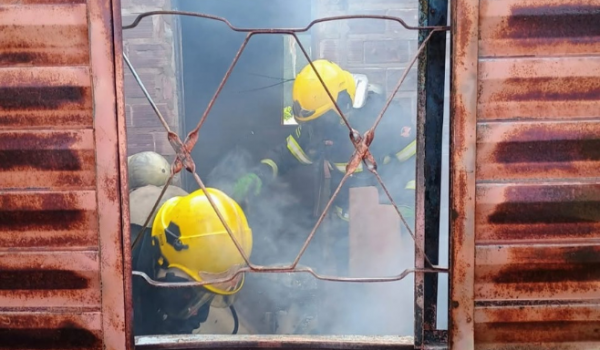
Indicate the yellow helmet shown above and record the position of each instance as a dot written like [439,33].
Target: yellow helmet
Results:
[310,98]
[192,238]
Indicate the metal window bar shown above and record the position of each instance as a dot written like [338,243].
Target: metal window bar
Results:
[361,155]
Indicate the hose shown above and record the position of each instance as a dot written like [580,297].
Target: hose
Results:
[236,321]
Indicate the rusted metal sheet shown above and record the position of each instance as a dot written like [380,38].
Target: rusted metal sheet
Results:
[537,221]
[24,330]
[463,107]
[537,272]
[539,28]
[532,325]
[43,97]
[555,88]
[106,116]
[26,43]
[44,219]
[61,268]
[509,151]
[551,212]
[47,159]
[123,180]
[53,279]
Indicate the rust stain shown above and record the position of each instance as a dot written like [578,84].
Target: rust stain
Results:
[548,89]
[28,220]
[46,2]
[75,180]
[570,22]
[544,273]
[49,118]
[558,204]
[550,143]
[30,279]
[65,160]
[43,45]
[53,214]
[71,239]
[541,231]
[548,151]
[67,336]
[463,27]
[11,58]
[566,254]
[22,58]
[18,150]
[522,304]
[560,212]
[538,332]
[16,98]
[109,185]
[39,141]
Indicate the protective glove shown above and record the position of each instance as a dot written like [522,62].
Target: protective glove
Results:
[247,184]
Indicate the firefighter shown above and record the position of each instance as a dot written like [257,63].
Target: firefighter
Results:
[187,242]
[322,135]
[147,168]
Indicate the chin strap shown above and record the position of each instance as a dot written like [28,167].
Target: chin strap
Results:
[236,321]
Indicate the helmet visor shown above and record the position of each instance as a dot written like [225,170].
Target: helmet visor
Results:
[229,287]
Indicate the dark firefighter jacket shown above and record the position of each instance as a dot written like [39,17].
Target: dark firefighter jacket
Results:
[394,153]
[149,301]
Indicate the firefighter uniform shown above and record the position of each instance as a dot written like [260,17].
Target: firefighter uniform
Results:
[309,142]
[183,248]
[323,135]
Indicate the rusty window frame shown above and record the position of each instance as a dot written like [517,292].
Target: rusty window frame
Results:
[431,67]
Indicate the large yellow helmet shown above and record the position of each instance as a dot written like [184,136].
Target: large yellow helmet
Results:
[192,238]
[310,97]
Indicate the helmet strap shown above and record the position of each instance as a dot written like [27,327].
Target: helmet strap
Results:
[344,102]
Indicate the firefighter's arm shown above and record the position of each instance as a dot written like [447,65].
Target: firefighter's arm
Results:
[405,157]
[278,161]
[291,153]
[401,155]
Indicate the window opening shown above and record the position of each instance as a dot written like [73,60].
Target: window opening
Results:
[362,157]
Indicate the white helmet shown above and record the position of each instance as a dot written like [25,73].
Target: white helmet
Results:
[147,168]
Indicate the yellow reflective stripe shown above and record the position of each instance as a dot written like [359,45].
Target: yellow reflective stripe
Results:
[273,166]
[411,185]
[287,112]
[297,151]
[387,159]
[342,167]
[340,213]
[407,152]
[298,131]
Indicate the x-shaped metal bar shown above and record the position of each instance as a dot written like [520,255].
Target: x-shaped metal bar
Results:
[361,143]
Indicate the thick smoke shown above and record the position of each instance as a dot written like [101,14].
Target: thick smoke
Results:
[290,302]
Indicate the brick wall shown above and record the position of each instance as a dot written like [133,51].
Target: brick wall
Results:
[380,49]
[150,47]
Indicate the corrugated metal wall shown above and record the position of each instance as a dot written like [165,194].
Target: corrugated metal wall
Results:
[61,260]
[526,191]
